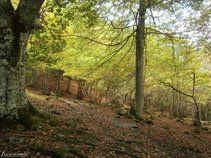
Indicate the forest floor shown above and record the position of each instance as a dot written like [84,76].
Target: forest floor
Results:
[77,129]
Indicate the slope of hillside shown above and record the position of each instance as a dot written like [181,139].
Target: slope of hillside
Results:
[73,128]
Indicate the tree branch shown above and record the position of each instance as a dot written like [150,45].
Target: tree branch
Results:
[28,13]
[150,8]
[125,53]
[175,89]
[120,28]
[113,53]
[105,44]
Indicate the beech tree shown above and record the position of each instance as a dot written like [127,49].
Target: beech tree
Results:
[15,28]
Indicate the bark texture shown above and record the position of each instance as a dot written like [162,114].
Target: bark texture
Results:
[140,39]
[14,35]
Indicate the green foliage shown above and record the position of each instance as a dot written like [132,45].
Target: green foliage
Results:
[15,3]
[46,44]
[79,38]
[153,117]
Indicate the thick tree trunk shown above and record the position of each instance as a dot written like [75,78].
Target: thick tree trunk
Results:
[15,28]
[12,71]
[140,39]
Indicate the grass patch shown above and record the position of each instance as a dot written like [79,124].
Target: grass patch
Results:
[33,95]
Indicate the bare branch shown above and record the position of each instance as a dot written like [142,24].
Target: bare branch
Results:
[126,52]
[150,8]
[170,35]
[175,89]
[120,28]
[105,44]
[113,53]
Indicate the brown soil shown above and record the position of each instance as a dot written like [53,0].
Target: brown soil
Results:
[79,129]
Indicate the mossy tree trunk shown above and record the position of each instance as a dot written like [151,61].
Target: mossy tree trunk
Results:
[15,28]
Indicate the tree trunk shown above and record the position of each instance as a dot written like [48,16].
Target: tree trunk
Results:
[140,39]
[68,84]
[12,70]
[15,28]
[125,99]
[80,90]
[197,113]
[58,78]
[172,106]
[33,78]
[45,89]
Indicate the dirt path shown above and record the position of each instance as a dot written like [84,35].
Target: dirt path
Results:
[78,129]
[143,140]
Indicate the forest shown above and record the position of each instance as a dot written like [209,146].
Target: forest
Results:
[105,78]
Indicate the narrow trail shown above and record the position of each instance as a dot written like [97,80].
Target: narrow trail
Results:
[79,129]
[139,141]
